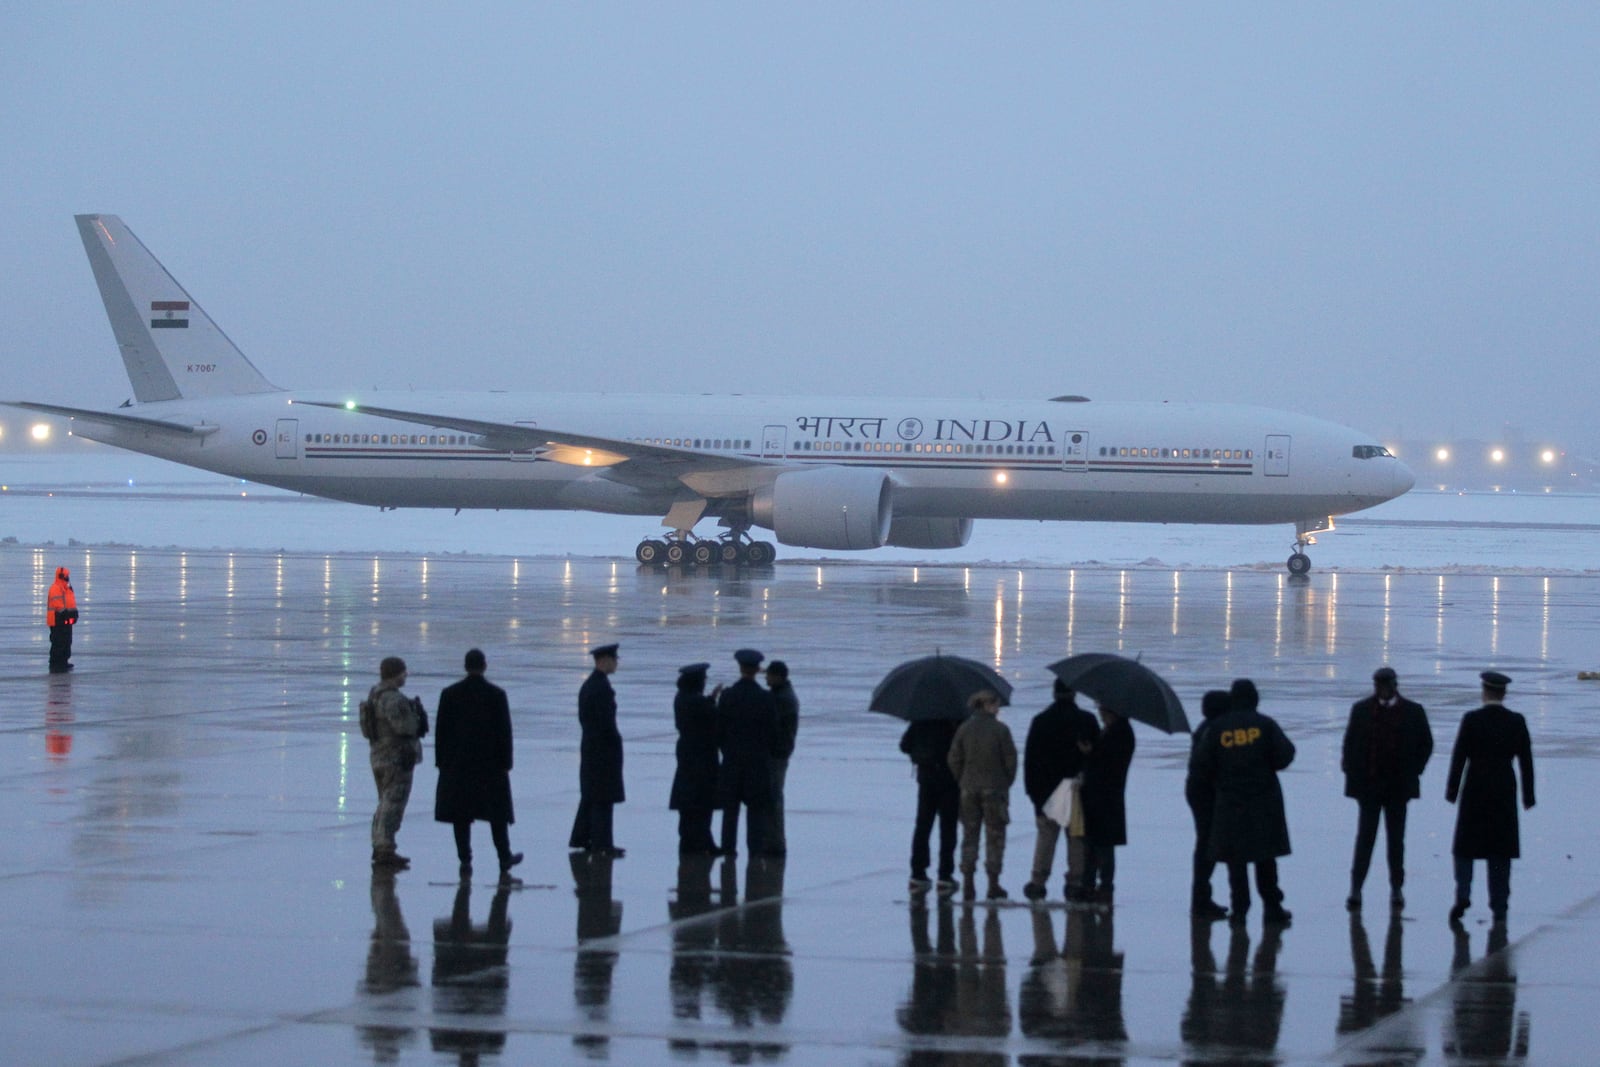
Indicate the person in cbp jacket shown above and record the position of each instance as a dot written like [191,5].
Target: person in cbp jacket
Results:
[1241,759]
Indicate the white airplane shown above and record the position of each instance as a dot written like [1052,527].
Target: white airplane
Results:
[839,473]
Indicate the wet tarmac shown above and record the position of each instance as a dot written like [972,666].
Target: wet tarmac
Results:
[185,879]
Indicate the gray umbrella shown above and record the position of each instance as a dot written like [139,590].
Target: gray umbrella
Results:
[1125,685]
[935,687]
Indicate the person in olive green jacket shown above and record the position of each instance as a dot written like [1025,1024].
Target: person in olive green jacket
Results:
[983,759]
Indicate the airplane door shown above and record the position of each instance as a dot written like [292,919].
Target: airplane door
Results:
[1277,456]
[288,439]
[774,442]
[1075,450]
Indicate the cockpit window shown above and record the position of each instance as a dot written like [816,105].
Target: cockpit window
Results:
[1370,452]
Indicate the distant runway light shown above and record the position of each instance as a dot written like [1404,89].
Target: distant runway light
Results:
[1443,455]
[1498,455]
[1548,455]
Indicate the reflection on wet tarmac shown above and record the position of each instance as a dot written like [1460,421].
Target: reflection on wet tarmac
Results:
[1074,996]
[599,919]
[733,955]
[1484,1024]
[58,717]
[958,989]
[470,978]
[391,972]
[1236,1018]
[1377,995]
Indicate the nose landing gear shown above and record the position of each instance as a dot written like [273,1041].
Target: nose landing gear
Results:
[1304,536]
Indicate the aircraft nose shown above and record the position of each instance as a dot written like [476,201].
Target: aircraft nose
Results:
[1404,479]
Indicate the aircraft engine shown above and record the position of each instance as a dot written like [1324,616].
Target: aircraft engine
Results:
[826,507]
[909,532]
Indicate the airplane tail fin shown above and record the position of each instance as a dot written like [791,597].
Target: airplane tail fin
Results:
[170,346]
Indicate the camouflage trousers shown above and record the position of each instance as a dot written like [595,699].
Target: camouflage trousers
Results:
[989,809]
[393,779]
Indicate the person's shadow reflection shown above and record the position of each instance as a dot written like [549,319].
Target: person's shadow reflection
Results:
[391,969]
[753,977]
[58,718]
[693,961]
[599,919]
[1377,995]
[930,1009]
[1074,995]
[1243,1013]
[470,977]
[1485,1025]
[958,989]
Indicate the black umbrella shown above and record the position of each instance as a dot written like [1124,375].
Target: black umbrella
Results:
[935,687]
[1127,686]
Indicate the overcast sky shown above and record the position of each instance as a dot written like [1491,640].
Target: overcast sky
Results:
[1382,214]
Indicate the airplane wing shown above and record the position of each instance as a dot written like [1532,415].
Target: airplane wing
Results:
[629,462]
[113,418]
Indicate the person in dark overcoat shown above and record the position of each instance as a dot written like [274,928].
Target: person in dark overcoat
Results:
[600,758]
[694,786]
[1486,818]
[1050,755]
[747,723]
[1105,813]
[1387,743]
[472,749]
[1202,799]
[1240,761]
[927,742]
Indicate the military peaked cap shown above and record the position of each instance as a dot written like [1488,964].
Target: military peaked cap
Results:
[1494,680]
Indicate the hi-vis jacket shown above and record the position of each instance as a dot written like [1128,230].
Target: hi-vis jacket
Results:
[61,598]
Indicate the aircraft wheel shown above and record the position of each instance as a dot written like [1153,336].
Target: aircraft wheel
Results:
[730,553]
[760,553]
[1299,563]
[649,551]
[704,553]
[675,553]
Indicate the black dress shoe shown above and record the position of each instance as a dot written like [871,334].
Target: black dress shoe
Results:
[510,861]
[1209,909]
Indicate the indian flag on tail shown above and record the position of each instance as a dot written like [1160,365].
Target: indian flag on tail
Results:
[169,314]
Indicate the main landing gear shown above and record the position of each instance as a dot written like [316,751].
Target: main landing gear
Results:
[681,547]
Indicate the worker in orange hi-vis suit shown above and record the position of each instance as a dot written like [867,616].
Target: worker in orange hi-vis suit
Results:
[60,614]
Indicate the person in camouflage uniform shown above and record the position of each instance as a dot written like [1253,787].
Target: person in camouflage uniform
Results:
[397,724]
[983,760]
